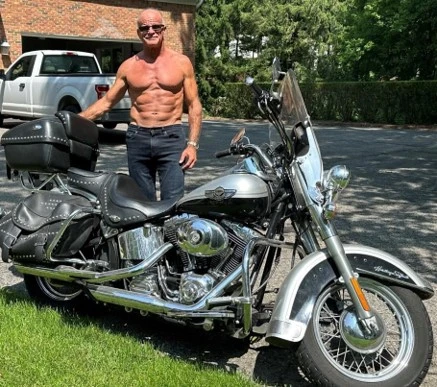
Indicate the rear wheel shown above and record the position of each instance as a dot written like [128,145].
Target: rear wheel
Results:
[53,292]
[332,355]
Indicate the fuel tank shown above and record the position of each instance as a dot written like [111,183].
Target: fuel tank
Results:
[241,196]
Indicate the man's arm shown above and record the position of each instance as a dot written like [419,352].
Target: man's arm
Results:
[194,106]
[191,97]
[113,96]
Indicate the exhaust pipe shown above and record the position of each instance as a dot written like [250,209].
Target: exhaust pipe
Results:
[69,274]
[149,303]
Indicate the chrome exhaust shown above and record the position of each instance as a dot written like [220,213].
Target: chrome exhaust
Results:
[149,303]
[69,274]
[93,281]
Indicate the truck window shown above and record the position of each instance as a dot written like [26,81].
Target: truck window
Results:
[68,64]
[48,67]
[23,68]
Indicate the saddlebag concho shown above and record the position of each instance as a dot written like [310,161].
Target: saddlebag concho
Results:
[27,232]
[52,144]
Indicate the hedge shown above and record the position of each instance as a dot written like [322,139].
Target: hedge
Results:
[391,102]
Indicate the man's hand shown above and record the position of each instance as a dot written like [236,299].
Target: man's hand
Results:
[188,157]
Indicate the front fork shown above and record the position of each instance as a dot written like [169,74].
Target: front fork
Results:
[334,245]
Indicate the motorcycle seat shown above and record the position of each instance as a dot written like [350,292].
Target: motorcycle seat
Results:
[124,204]
[87,181]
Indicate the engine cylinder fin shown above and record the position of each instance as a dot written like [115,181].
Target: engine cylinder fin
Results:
[235,260]
[170,233]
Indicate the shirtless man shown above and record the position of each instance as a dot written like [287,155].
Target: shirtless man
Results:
[158,80]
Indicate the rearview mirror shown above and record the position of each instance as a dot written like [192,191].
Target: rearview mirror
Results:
[237,138]
[277,74]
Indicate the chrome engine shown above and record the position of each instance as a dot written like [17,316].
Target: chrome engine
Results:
[201,237]
[204,253]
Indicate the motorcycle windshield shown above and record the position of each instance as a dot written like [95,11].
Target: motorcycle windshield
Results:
[294,112]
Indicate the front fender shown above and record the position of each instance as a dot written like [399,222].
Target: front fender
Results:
[299,291]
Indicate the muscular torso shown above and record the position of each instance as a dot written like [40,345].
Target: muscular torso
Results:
[156,89]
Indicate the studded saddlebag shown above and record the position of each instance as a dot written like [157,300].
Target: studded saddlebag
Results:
[27,232]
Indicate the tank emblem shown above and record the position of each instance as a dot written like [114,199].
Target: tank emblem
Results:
[219,194]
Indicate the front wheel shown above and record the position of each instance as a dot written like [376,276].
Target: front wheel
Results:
[402,358]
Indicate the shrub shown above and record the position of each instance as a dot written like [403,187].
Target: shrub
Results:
[392,102]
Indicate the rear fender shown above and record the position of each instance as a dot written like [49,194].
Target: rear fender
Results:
[297,296]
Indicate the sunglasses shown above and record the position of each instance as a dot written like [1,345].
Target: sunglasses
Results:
[155,27]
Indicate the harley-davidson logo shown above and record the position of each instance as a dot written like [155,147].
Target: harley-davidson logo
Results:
[219,194]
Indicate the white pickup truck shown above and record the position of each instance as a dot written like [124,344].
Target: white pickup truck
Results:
[40,83]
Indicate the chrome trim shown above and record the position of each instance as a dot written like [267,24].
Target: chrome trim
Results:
[40,271]
[202,237]
[152,304]
[247,304]
[147,302]
[335,247]
[51,177]
[68,274]
[139,242]
[60,233]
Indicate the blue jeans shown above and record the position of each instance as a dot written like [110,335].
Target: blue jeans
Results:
[152,151]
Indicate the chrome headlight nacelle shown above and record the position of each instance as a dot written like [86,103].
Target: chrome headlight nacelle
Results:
[334,181]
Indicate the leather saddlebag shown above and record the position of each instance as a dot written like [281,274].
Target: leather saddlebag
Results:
[27,232]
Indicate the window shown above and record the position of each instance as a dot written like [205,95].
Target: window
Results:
[68,64]
[23,68]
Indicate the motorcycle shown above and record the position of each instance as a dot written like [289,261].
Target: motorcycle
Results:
[353,314]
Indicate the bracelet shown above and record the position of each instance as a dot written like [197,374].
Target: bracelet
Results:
[193,144]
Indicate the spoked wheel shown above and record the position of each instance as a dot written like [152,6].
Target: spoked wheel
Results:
[53,292]
[334,353]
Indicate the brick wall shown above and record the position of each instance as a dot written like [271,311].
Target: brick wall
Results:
[112,20]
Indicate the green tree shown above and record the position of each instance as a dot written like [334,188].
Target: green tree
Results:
[239,37]
[390,38]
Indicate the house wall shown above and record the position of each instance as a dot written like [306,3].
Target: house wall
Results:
[99,20]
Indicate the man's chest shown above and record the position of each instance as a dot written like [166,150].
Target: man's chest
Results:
[163,76]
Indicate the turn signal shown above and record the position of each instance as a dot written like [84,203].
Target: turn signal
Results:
[360,294]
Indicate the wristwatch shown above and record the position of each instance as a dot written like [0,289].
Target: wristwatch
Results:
[193,144]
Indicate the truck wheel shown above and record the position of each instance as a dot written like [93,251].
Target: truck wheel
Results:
[72,108]
[1,120]
[109,125]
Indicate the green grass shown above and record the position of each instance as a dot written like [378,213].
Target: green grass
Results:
[41,346]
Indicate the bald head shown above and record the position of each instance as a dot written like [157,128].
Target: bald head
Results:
[150,16]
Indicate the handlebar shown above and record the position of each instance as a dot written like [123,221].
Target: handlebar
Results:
[246,149]
[223,153]
[270,107]
[267,102]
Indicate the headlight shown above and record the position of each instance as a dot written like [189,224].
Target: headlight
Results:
[334,181]
[337,177]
